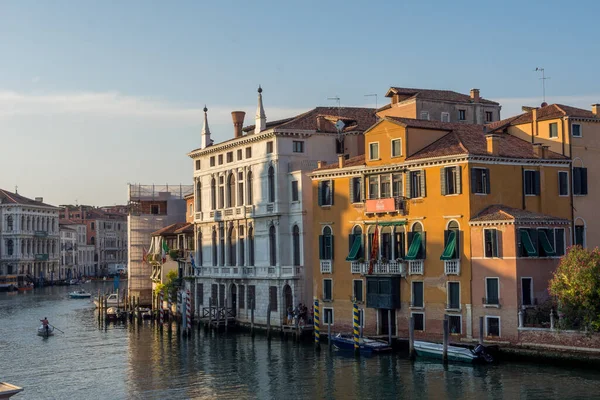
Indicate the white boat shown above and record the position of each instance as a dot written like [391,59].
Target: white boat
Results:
[43,332]
[7,390]
[80,294]
[111,301]
[455,353]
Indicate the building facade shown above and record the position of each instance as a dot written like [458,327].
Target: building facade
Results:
[253,205]
[69,255]
[438,220]
[29,238]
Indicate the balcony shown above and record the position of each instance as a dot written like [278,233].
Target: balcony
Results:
[40,234]
[326,266]
[390,205]
[383,268]
[355,267]
[452,267]
[415,267]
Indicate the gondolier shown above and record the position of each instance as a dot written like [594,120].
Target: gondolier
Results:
[45,325]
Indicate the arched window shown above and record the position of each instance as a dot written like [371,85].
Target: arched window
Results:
[10,247]
[296,244]
[222,245]
[326,244]
[198,199]
[451,241]
[191,210]
[231,246]
[28,223]
[9,223]
[271,184]
[221,191]
[199,258]
[249,185]
[250,246]
[22,227]
[240,190]
[213,194]
[386,242]
[272,246]
[22,247]
[416,242]
[355,235]
[231,190]
[580,232]
[93,240]
[214,248]
[242,249]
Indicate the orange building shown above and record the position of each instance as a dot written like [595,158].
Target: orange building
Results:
[460,216]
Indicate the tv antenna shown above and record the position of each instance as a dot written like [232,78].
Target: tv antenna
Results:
[373,95]
[339,125]
[543,79]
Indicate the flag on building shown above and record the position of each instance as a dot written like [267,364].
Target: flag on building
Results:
[144,254]
[374,250]
[165,250]
[192,260]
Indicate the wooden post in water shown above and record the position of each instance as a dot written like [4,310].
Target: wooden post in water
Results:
[105,307]
[317,325]
[411,337]
[390,327]
[225,314]
[269,321]
[446,334]
[252,317]
[210,299]
[481,330]
[328,333]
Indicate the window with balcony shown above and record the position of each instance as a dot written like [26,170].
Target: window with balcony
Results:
[385,247]
[251,246]
[327,289]
[480,180]
[9,223]
[221,246]
[295,193]
[373,151]
[396,147]
[296,245]
[451,254]
[453,295]
[355,246]
[240,189]
[531,182]
[325,193]
[242,247]
[272,246]
[490,242]
[357,290]
[221,192]
[492,291]
[355,190]
[326,244]
[271,184]
[416,240]
[450,180]
[231,245]
[10,247]
[417,294]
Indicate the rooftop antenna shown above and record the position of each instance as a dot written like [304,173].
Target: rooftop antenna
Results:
[373,95]
[543,79]
[16,189]
[339,125]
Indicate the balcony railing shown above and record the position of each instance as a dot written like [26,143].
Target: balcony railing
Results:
[452,267]
[384,268]
[326,266]
[415,267]
[355,267]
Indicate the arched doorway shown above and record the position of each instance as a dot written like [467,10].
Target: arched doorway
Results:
[233,299]
[288,299]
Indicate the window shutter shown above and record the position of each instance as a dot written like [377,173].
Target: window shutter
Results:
[443,180]
[332,252]
[408,193]
[473,180]
[536,180]
[423,245]
[446,234]
[457,174]
[350,241]
[487,182]
[496,242]
[321,247]
[423,192]
[351,190]
[363,192]
[409,239]
[332,192]
[320,193]
[584,181]
[457,247]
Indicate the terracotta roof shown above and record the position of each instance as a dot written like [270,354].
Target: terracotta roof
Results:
[7,197]
[170,230]
[551,111]
[64,221]
[188,228]
[467,139]
[351,162]
[438,95]
[355,118]
[189,196]
[499,212]
[269,125]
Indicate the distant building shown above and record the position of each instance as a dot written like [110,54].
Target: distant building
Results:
[85,252]
[440,105]
[68,252]
[150,209]
[29,239]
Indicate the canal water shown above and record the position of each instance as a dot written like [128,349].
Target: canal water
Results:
[89,361]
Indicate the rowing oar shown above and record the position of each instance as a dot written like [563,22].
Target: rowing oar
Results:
[56,328]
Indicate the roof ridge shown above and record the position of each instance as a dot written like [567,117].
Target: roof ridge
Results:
[559,108]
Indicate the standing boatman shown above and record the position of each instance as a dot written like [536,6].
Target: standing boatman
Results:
[46,325]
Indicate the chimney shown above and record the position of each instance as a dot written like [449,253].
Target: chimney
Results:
[493,144]
[475,95]
[545,150]
[320,125]
[341,160]
[39,199]
[238,122]
[321,164]
[538,150]
[595,109]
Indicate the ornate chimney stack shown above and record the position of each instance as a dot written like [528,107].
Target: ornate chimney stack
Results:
[238,122]
[260,121]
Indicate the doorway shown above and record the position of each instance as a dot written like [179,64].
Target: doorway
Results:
[287,297]
[383,317]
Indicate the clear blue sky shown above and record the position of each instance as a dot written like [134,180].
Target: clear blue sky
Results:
[97,94]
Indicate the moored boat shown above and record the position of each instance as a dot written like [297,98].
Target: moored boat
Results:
[7,390]
[366,346]
[45,332]
[111,301]
[114,314]
[80,294]
[455,353]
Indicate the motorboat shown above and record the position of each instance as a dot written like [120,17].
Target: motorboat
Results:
[80,294]
[455,353]
[343,341]
[111,301]
[114,314]
[42,331]
[7,390]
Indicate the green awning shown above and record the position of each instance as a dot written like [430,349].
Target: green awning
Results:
[388,223]
[355,249]
[415,246]
[450,247]
[546,245]
[528,244]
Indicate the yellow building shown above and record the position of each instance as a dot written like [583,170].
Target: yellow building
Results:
[575,133]
[423,189]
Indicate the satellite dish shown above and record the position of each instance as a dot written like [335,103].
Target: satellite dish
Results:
[340,125]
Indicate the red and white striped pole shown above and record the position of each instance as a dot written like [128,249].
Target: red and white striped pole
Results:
[188,312]
[161,311]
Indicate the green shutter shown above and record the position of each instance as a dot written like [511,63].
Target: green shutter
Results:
[488,181]
[545,242]
[527,243]
[443,180]
[457,174]
[408,182]
[353,255]
[415,246]
[332,192]
[321,247]
[449,251]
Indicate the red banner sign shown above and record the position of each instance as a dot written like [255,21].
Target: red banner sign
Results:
[381,205]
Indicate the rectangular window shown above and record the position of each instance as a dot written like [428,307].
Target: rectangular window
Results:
[273,298]
[453,295]
[325,193]
[200,293]
[327,289]
[356,196]
[563,183]
[154,210]
[298,146]
[214,293]
[425,115]
[526,291]
[248,152]
[480,180]
[489,116]
[327,315]
[450,180]
[559,240]
[230,156]
[373,187]
[212,161]
[220,159]
[396,147]
[576,130]
[198,165]
[462,115]
[419,319]
[295,194]
[580,181]
[251,297]
[417,294]
[397,190]
[455,324]
[358,290]
[242,296]
[416,184]
[491,242]
[373,151]
[492,326]
[553,130]
[492,291]
[531,183]
[239,154]
[385,184]
[445,117]
[269,147]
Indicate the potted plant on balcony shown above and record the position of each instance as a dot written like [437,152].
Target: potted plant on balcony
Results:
[384,260]
[361,260]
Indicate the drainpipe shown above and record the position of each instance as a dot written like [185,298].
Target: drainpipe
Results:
[523,186]
[571,183]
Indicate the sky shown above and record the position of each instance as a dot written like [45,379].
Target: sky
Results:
[98,94]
